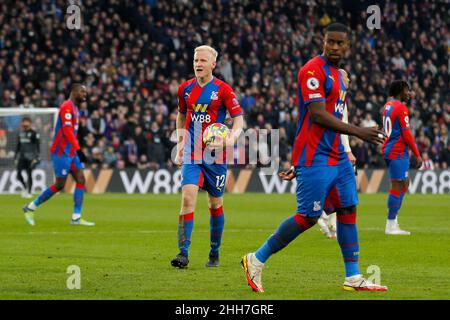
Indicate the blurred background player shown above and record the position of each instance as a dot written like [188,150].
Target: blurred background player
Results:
[202,101]
[321,166]
[327,221]
[396,151]
[27,155]
[67,157]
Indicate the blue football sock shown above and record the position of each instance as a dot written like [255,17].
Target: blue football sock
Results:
[394,203]
[347,236]
[288,230]
[185,226]
[78,196]
[216,222]
[45,195]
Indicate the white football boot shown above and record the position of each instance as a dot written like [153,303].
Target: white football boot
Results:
[392,228]
[358,283]
[253,270]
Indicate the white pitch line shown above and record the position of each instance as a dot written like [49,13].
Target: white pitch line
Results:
[434,230]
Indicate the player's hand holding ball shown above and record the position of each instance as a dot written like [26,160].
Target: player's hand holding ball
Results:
[216,136]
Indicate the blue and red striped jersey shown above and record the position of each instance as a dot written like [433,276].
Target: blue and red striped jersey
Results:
[315,145]
[64,140]
[396,127]
[204,106]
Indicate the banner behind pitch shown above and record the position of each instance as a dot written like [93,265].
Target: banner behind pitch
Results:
[238,181]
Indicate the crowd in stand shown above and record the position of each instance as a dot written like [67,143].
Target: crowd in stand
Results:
[132,55]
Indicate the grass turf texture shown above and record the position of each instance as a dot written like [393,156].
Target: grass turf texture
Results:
[127,255]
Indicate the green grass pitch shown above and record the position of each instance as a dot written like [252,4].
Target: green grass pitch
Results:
[127,255]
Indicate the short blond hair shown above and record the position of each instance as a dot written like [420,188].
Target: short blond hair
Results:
[213,51]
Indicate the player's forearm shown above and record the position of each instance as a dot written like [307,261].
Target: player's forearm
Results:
[68,133]
[181,127]
[17,149]
[320,116]
[38,145]
[238,126]
[407,136]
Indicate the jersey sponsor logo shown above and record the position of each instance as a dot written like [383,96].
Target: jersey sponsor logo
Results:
[339,107]
[214,95]
[201,117]
[312,83]
[200,107]
[235,102]
[68,123]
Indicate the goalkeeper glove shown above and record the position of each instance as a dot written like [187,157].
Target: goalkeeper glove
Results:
[82,156]
[35,162]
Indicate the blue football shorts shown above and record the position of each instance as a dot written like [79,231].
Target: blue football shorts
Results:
[211,178]
[62,165]
[320,187]
[398,169]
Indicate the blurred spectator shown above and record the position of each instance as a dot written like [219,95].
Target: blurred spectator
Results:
[134,55]
[368,121]
[96,125]
[130,153]
[427,162]
[110,157]
[155,150]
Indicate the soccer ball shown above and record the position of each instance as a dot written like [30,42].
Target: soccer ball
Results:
[215,131]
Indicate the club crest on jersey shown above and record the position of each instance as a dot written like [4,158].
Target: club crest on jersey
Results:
[214,95]
[312,83]
[68,116]
[317,206]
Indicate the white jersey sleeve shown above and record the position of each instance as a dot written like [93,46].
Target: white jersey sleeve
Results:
[344,137]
